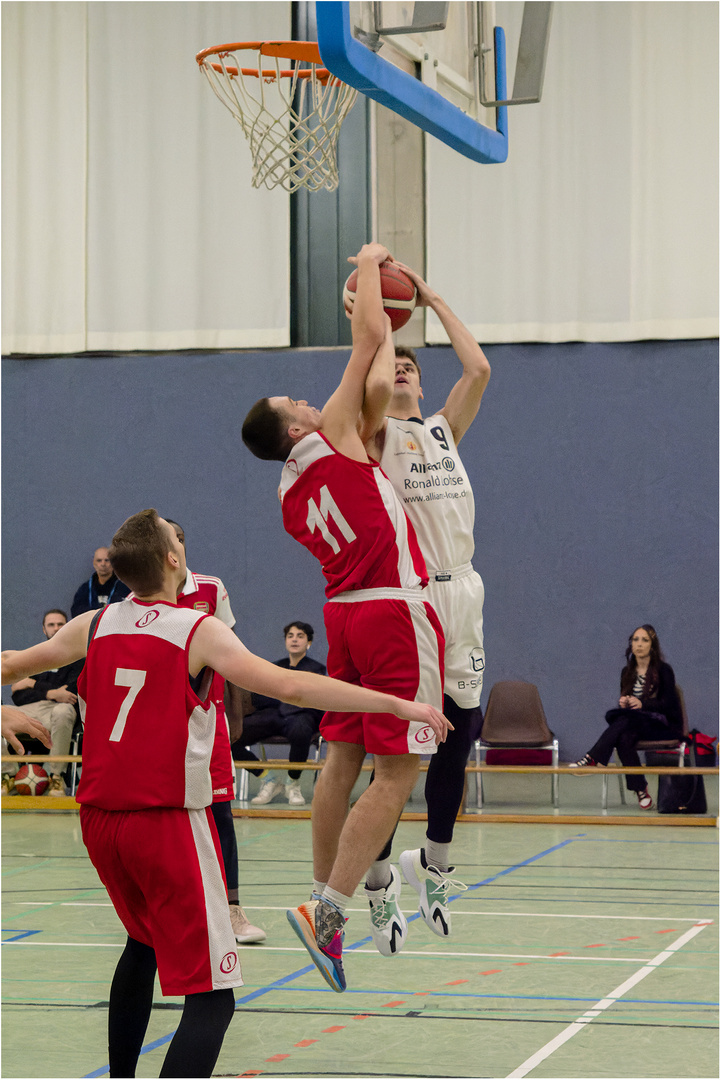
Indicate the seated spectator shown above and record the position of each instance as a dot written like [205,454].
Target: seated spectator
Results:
[648,708]
[50,697]
[273,717]
[101,588]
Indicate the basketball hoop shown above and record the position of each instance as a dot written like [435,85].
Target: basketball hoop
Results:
[290,117]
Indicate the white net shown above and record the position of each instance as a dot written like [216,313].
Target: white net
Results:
[290,116]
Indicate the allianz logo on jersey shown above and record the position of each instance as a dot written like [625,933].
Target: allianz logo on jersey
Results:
[447,463]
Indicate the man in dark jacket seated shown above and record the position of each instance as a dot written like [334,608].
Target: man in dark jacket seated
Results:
[51,697]
[101,588]
[273,717]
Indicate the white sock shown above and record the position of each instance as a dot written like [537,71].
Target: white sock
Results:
[438,855]
[379,875]
[338,899]
[318,886]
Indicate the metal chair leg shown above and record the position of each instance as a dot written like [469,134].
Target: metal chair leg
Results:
[554,777]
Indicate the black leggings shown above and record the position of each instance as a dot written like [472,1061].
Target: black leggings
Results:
[196,1044]
[446,776]
[223,817]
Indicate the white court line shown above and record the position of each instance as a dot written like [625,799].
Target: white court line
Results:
[406,911]
[610,999]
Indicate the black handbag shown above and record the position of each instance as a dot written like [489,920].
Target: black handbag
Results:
[682,794]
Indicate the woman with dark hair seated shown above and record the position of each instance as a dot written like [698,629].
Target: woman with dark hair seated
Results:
[648,708]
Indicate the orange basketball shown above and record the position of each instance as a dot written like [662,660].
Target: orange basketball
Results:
[397,290]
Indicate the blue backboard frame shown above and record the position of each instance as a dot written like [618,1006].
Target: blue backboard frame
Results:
[368,72]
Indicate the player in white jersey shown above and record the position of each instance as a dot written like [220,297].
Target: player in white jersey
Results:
[421,459]
[150,842]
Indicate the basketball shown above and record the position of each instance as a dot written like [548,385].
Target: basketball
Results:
[31,780]
[397,290]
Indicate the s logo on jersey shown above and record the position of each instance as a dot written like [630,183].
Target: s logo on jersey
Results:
[229,963]
[148,617]
[424,736]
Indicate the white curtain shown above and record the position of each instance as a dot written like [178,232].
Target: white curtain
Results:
[603,224]
[129,221]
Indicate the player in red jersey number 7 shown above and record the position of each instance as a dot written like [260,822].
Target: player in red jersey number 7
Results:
[381,632]
[155,846]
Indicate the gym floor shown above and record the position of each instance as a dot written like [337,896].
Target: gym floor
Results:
[576,952]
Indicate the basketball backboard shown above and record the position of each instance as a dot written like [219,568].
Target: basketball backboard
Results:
[441,65]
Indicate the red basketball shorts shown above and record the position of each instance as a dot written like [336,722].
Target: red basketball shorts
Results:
[163,871]
[392,645]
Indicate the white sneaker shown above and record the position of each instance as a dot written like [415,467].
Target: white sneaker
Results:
[244,931]
[388,923]
[269,790]
[294,794]
[432,886]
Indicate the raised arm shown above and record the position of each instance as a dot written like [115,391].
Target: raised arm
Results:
[378,392]
[68,645]
[216,646]
[339,417]
[464,400]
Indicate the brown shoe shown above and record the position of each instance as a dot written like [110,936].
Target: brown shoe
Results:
[245,932]
[8,784]
[56,786]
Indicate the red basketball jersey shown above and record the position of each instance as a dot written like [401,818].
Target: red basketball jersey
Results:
[148,736]
[203,592]
[347,514]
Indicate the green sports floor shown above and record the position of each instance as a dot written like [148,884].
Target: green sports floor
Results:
[577,951]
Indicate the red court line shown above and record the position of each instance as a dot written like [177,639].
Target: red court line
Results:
[306,1042]
[674,931]
[393,1004]
[634,937]
[278,1057]
[328,1031]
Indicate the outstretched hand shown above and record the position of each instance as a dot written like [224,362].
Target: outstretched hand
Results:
[375,251]
[15,721]
[424,294]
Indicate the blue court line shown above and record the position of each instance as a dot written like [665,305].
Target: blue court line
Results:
[262,991]
[19,935]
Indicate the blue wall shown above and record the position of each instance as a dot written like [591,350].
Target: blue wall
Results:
[595,469]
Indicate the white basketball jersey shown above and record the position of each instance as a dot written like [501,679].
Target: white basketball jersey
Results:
[421,460]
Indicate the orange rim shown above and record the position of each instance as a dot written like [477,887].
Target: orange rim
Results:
[322,74]
[285,50]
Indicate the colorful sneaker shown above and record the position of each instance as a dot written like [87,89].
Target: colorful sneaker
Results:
[432,886]
[268,792]
[245,932]
[293,793]
[388,923]
[320,927]
[584,763]
[56,785]
[644,799]
[8,784]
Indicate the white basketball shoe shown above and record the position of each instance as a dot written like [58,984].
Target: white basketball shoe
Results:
[388,923]
[433,887]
